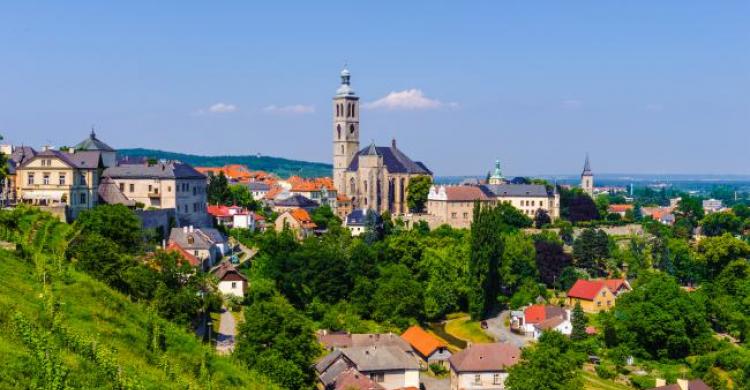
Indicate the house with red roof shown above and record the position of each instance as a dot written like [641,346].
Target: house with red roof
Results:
[620,209]
[233,216]
[536,314]
[298,220]
[188,257]
[427,346]
[596,295]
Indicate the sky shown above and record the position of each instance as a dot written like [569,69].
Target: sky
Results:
[642,86]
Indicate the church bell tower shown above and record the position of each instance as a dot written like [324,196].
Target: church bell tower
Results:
[587,178]
[345,130]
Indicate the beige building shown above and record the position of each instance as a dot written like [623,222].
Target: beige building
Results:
[454,205]
[297,220]
[66,181]
[375,177]
[164,185]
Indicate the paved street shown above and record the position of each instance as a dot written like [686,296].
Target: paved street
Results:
[432,383]
[227,331]
[496,329]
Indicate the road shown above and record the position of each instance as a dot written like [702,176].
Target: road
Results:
[496,329]
[227,331]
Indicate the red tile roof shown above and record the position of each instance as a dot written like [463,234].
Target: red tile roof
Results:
[422,341]
[586,289]
[616,284]
[303,217]
[226,211]
[619,208]
[464,193]
[535,314]
[187,256]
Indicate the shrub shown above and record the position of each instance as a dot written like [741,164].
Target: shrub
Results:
[605,372]
[438,369]
[643,382]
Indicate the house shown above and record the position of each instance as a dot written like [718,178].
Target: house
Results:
[206,244]
[63,182]
[596,295]
[231,281]
[337,340]
[352,379]
[320,190]
[188,257]
[233,216]
[712,205]
[389,367]
[533,315]
[560,324]
[426,346]
[357,221]
[298,220]
[258,189]
[293,202]
[15,156]
[164,185]
[237,173]
[664,215]
[620,209]
[682,384]
[482,366]
[343,206]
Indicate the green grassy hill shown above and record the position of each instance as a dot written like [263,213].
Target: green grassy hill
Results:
[98,336]
[280,166]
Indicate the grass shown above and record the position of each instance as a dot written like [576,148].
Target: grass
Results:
[94,311]
[592,382]
[466,329]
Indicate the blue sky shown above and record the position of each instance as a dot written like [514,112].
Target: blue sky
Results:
[643,86]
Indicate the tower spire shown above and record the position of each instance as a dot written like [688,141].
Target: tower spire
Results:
[587,166]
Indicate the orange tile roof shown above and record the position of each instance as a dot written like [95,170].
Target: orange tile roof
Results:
[238,172]
[303,217]
[187,256]
[422,341]
[306,185]
[619,208]
[273,192]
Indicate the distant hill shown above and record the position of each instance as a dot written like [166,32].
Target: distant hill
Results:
[280,166]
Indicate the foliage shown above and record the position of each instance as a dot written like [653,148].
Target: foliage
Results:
[323,216]
[217,191]
[240,195]
[541,218]
[417,191]
[660,320]
[113,222]
[277,340]
[576,206]
[714,253]
[551,259]
[719,223]
[579,322]
[398,297]
[551,364]
[590,250]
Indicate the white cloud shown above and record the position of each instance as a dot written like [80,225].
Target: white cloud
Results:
[410,99]
[572,104]
[217,108]
[291,109]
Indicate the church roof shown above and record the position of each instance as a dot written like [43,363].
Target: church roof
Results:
[393,159]
[586,167]
[516,190]
[93,143]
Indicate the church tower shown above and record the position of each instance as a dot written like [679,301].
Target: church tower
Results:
[345,130]
[587,178]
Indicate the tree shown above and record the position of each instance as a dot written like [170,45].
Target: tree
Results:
[577,206]
[486,249]
[660,320]
[218,189]
[240,195]
[446,283]
[518,262]
[278,341]
[541,218]
[590,249]
[579,322]
[551,259]
[551,364]
[323,216]
[714,253]
[115,222]
[716,224]
[398,297]
[100,257]
[688,213]
[417,191]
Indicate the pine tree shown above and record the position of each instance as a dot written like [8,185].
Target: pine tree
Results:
[579,323]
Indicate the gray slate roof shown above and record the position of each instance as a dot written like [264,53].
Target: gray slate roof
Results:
[258,186]
[393,159]
[385,358]
[93,143]
[203,238]
[296,201]
[358,217]
[110,193]
[161,170]
[79,160]
[501,190]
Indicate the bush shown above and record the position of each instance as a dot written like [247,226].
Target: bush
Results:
[233,302]
[438,369]
[643,382]
[605,372]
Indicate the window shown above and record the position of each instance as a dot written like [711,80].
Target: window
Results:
[122,187]
[496,379]
[195,191]
[598,303]
[348,110]
[234,284]
[609,303]
[195,207]
[82,179]
[351,129]
[338,130]
[453,215]
[169,188]
[149,188]
[61,179]
[354,108]
[541,203]
[338,112]
[83,198]
[132,187]
[45,178]
[377,377]
[477,379]
[30,179]
[532,203]
[466,215]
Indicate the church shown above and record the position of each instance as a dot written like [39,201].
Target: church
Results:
[375,177]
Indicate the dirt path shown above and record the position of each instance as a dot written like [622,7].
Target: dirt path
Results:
[227,332]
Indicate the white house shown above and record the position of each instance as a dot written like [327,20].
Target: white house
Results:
[559,324]
[482,366]
[233,216]
[231,281]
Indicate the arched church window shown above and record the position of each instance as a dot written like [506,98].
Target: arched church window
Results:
[365,184]
[348,110]
[354,108]
[337,110]
[338,130]
[351,129]
[342,149]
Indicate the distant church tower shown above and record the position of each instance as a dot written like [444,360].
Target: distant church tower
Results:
[497,175]
[345,130]
[587,178]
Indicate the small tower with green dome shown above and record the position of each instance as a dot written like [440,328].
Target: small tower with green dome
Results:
[497,175]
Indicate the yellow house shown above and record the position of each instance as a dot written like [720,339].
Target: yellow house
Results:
[65,182]
[594,295]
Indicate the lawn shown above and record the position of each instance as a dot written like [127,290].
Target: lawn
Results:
[466,329]
[592,382]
